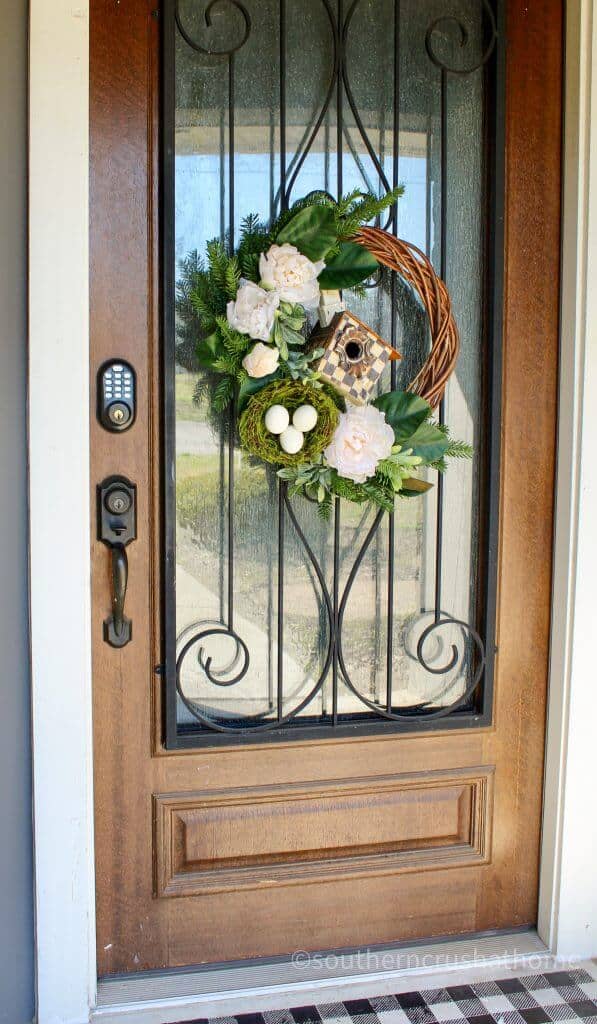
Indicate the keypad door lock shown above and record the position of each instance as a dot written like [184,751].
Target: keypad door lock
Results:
[117,527]
[116,395]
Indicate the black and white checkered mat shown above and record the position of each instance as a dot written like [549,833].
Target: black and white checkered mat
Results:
[559,996]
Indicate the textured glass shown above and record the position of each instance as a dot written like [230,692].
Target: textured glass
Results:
[250,135]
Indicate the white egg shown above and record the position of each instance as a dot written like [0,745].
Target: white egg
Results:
[304,418]
[291,440]
[276,419]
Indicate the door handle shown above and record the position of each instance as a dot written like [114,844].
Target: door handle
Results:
[117,527]
[120,573]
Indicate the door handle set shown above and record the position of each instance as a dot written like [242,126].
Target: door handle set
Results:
[117,527]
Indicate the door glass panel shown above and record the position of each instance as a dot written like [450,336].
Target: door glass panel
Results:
[275,620]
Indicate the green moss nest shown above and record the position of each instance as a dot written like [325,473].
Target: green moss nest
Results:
[290,393]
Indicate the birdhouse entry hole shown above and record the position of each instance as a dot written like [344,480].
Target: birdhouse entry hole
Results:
[354,351]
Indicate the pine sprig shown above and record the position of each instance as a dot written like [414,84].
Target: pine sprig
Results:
[203,309]
[217,261]
[379,491]
[459,450]
[233,276]
[254,240]
[357,211]
[234,342]
[455,450]
[223,393]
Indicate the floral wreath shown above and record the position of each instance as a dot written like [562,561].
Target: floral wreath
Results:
[299,370]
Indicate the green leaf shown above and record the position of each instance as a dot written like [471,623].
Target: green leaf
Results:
[429,442]
[208,350]
[404,412]
[293,322]
[353,264]
[290,336]
[413,488]
[293,309]
[312,230]
[250,386]
[279,339]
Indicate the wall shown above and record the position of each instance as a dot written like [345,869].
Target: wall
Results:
[16,923]
[568,897]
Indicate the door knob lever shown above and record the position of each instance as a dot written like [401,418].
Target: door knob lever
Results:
[117,527]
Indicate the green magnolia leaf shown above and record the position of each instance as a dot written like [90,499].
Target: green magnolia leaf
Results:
[250,386]
[412,487]
[312,230]
[404,412]
[429,442]
[208,350]
[352,265]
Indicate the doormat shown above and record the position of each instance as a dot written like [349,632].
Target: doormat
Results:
[559,996]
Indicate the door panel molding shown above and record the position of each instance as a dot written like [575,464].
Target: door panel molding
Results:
[206,842]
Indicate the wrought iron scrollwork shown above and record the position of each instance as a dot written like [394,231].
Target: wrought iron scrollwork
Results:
[207,50]
[450,20]
[458,665]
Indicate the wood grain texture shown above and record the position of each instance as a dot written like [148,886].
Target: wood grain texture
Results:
[529,419]
[247,838]
[133,776]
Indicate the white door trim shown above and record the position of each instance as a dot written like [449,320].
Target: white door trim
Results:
[60,517]
[568,889]
[59,510]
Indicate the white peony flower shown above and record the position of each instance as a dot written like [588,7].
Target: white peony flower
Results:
[253,311]
[294,277]
[261,360]
[361,440]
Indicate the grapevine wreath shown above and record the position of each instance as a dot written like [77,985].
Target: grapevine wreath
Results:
[301,372]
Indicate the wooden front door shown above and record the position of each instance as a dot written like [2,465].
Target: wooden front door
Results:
[322,735]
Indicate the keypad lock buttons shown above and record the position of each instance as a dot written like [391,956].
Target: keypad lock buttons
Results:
[116,395]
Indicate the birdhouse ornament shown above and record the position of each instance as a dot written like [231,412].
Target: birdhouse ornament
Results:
[354,356]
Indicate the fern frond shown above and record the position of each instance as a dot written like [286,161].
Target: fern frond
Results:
[223,394]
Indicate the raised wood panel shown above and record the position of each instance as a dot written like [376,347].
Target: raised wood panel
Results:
[267,835]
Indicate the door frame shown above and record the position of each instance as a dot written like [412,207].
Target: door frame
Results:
[59,517]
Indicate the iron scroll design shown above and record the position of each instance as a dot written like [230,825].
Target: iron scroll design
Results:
[464,660]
